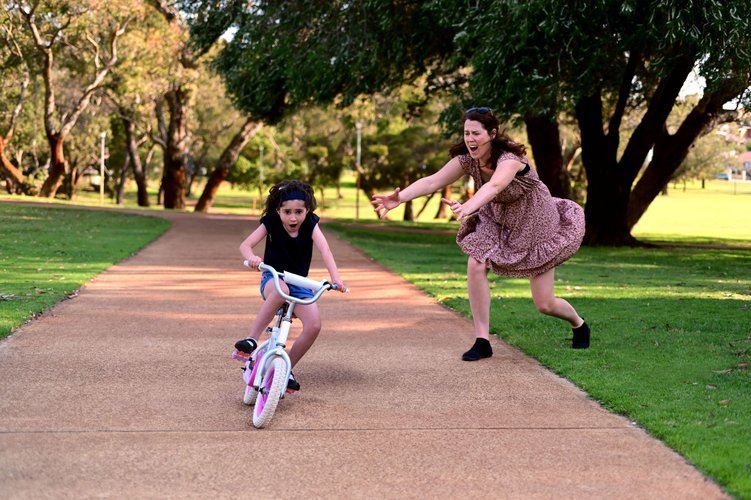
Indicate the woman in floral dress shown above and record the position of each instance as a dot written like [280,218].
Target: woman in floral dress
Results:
[512,225]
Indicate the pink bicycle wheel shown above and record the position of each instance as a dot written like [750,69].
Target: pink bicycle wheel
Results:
[272,386]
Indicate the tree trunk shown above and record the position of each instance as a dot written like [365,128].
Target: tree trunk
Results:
[226,161]
[16,181]
[607,196]
[14,176]
[139,173]
[442,208]
[176,153]
[544,137]
[606,209]
[58,166]
[73,179]
[408,215]
[123,179]
[173,183]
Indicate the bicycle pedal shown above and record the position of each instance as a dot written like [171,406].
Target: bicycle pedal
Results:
[240,356]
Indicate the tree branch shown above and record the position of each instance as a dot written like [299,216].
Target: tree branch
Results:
[654,119]
[24,85]
[671,150]
[161,136]
[70,121]
[623,94]
[169,14]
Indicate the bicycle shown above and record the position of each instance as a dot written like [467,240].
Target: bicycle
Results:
[268,368]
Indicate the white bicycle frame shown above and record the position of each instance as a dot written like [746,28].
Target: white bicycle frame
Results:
[275,345]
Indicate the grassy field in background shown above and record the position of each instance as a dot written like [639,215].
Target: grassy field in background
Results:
[719,213]
[47,253]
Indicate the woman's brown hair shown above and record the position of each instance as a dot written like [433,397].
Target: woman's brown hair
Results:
[500,144]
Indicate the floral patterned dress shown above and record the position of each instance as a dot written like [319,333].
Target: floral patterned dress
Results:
[523,231]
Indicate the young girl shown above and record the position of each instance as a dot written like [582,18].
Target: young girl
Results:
[290,228]
[512,225]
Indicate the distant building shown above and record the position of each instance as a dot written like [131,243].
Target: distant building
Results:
[745,162]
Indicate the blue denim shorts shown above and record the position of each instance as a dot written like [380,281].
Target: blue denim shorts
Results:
[294,290]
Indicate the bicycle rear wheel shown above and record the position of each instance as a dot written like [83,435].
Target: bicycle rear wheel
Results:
[273,385]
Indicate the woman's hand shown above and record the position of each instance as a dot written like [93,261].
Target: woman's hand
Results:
[253,262]
[457,208]
[383,203]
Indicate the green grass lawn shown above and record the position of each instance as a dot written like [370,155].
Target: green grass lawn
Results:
[671,334]
[47,253]
[671,325]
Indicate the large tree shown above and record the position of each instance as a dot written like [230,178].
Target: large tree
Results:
[225,162]
[173,126]
[594,61]
[88,50]
[601,62]
[16,76]
[142,76]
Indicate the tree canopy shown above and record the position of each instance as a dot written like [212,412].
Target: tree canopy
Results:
[594,62]
[289,53]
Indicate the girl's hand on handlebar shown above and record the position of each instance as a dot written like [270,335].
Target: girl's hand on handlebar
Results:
[340,286]
[253,262]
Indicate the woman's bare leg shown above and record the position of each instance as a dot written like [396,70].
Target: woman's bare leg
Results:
[547,303]
[478,291]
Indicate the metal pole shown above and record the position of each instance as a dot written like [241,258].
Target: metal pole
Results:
[357,190]
[101,169]
[260,166]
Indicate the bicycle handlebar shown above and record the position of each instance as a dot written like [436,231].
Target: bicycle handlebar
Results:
[319,287]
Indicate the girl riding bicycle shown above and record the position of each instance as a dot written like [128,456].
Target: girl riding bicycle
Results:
[290,229]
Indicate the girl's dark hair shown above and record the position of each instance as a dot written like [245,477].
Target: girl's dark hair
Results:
[288,186]
[500,144]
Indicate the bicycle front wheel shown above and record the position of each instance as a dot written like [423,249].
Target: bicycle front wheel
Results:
[249,397]
[272,386]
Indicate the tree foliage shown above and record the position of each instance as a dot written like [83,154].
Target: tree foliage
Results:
[596,62]
[285,54]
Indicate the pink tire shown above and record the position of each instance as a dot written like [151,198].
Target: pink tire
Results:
[273,385]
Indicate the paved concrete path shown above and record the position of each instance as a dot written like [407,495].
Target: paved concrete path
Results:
[128,391]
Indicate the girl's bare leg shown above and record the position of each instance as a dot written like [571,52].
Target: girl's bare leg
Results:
[311,326]
[268,309]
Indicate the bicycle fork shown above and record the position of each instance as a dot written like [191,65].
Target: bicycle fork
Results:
[262,365]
